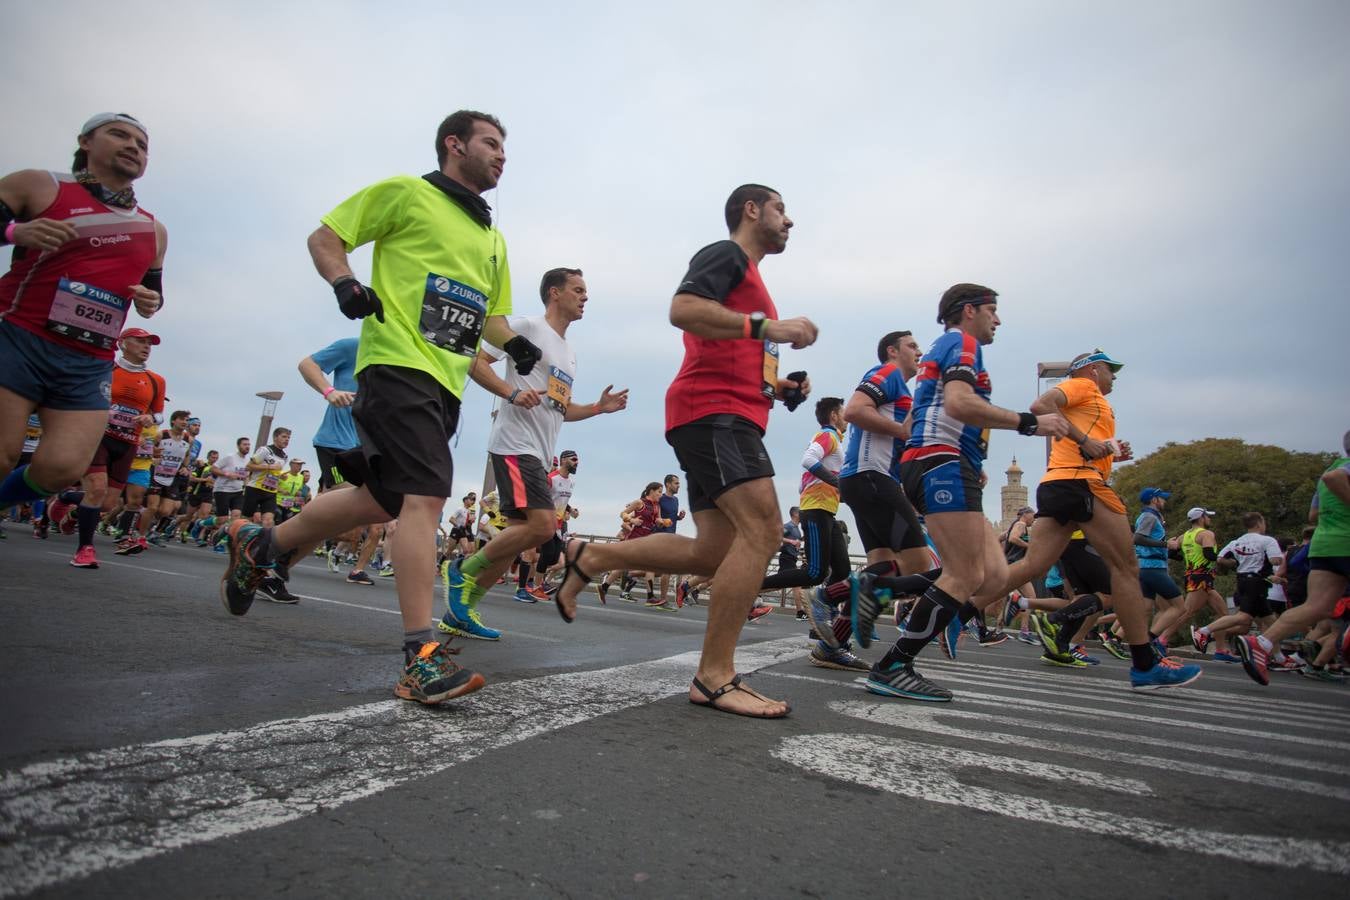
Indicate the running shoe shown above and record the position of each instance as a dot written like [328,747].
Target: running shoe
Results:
[821,614]
[539,592]
[243,573]
[903,681]
[692,597]
[221,546]
[1115,646]
[40,527]
[274,588]
[866,606]
[128,547]
[523,596]
[802,616]
[949,637]
[157,539]
[602,589]
[662,607]
[1011,607]
[625,595]
[1065,660]
[1166,673]
[758,612]
[1255,659]
[1220,656]
[1284,665]
[1321,673]
[357,576]
[993,639]
[654,602]
[681,589]
[1200,640]
[432,676]
[825,658]
[1027,637]
[1081,654]
[386,572]
[1159,647]
[85,558]
[331,558]
[1047,632]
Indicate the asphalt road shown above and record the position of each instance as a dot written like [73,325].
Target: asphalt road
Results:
[154,746]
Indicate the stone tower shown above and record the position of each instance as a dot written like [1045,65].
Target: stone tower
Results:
[1014,494]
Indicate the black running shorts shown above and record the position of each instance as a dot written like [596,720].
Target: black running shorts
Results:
[718,452]
[329,476]
[228,501]
[522,483]
[1083,569]
[256,500]
[1252,596]
[886,519]
[114,457]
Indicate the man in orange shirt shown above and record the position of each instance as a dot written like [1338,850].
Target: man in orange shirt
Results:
[1074,495]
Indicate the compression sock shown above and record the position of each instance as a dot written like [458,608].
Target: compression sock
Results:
[930,615]
[19,488]
[474,564]
[523,576]
[650,589]
[127,522]
[911,585]
[1142,657]
[87,517]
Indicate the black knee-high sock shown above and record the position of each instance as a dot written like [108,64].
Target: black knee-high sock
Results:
[127,523]
[908,585]
[930,615]
[523,576]
[87,518]
[1069,618]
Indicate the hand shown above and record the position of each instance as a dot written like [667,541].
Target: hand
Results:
[1173,543]
[1052,425]
[680,517]
[356,300]
[794,389]
[340,398]
[609,403]
[43,234]
[1094,449]
[525,398]
[984,479]
[147,301]
[145,420]
[523,353]
[799,332]
[1124,452]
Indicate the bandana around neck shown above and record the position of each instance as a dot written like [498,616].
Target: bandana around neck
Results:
[124,199]
[130,366]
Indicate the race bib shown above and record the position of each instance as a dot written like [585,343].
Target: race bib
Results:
[146,448]
[86,314]
[167,470]
[269,482]
[559,389]
[769,385]
[286,502]
[452,315]
[123,418]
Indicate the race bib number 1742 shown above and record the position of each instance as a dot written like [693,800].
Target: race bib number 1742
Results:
[452,315]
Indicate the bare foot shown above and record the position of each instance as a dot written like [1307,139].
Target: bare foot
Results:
[737,698]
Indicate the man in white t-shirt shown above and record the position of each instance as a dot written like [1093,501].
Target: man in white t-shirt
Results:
[1256,555]
[521,444]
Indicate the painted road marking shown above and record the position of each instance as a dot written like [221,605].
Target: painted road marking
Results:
[930,775]
[508,633]
[122,565]
[67,818]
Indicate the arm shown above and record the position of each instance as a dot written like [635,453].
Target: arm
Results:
[967,406]
[25,194]
[315,378]
[1141,538]
[329,254]
[1052,401]
[861,410]
[813,460]
[710,319]
[1018,536]
[1338,482]
[608,403]
[483,375]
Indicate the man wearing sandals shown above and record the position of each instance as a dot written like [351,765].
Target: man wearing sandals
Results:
[716,412]
[521,444]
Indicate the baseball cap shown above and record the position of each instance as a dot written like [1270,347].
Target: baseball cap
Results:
[296,462]
[1195,512]
[139,333]
[1096,356]
[568,453]
[1149,493]
[104,118]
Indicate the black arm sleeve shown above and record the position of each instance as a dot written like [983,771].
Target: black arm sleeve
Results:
[715,271]
[1210,553]
[154,280]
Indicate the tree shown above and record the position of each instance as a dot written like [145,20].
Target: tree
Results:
[1230,477]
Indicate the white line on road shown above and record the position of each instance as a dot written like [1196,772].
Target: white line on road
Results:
[139,568]
[394,612]
[68,818]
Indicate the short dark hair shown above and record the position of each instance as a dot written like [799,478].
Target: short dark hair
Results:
[669,478]
[1252,519]
[888,342]
[238,441]
[180,414]
[757,194]
[824,407]
[461,125]
[956,297]
[279,431]
[555,278]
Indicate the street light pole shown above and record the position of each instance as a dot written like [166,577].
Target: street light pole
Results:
[1049,374]
[270,399]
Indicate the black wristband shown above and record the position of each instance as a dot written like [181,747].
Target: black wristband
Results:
[757,327]
[512,399]
[1026,423]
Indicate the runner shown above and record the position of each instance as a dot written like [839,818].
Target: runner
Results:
[1328,576]
[288,489]
[716,412]
[84,254]
[440,282]
[522,440]
[1152,550]
[671,512]
[137,402]
[265,467]
[168,475]
[1255,556]
[1200,551]
[125,519]
[337,435]
[199,502]
[461,526]
[227,494]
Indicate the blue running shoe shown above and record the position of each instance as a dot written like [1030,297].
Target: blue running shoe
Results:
[461,618]
[472,628]
[821,614]
[1081,655]
[949,636]
[1220,656]
[523,596]
[866,606]
[1166,673]
[903,681]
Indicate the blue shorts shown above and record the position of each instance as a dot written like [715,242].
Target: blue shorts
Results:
[942,484]
[139,477]
[1156,583]
[50,375]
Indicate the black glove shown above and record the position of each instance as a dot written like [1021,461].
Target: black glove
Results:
[523,353]
[356,300]
[793,397]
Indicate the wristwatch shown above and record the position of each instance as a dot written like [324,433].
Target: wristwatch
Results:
[757,325]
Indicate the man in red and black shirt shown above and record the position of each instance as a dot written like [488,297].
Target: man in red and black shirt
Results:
[716,412]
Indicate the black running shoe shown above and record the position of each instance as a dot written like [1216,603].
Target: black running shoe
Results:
[274,589]
[866,608]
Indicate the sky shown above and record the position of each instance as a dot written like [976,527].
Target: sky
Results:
[1165,181]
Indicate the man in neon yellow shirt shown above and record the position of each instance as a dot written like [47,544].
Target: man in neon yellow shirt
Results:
[440,284]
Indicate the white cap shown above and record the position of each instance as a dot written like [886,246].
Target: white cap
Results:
[100,119]
[1195,512]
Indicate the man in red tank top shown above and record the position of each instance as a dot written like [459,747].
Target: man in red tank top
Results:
[716,412]
[84,254]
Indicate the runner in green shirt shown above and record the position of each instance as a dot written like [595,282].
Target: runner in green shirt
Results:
[1329,561]
[440,284]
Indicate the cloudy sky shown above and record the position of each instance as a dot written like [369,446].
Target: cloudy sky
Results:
[1166,181]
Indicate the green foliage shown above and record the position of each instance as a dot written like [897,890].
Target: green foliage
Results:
[1230,477]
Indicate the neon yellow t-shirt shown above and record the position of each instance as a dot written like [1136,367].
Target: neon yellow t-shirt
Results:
[145,450]
[438,271]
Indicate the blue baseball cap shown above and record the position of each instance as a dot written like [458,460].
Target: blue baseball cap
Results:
[1148,493]
[1096,356]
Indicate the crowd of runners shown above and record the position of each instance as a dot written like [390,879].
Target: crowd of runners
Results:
[87,448]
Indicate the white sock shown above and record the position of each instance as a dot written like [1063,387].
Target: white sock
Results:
[1266,645]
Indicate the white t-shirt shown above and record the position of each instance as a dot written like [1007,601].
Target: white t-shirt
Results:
[460,518]
[534,432]
[232,463]
[1255,553]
